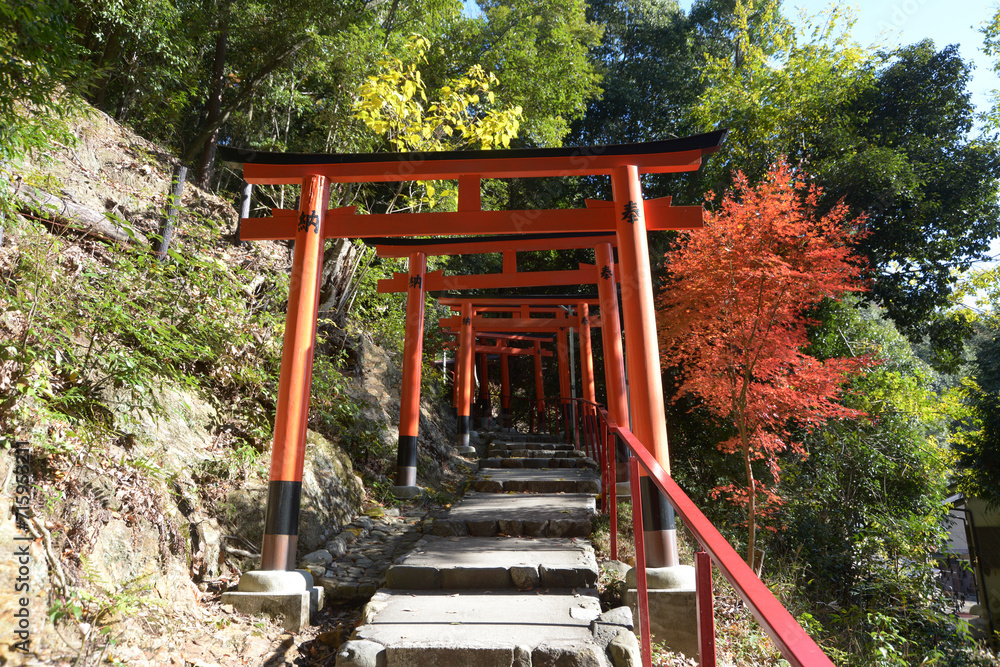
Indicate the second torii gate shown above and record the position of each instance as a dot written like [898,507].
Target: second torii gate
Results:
[629,216]
[416,282]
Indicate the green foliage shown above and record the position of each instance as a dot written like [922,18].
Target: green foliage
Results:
[101,336]
[40,68]
[143,53]
[863,517]
[465,114]
[539,51]
[773,85]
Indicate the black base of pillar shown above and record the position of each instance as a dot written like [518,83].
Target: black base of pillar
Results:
[658,526]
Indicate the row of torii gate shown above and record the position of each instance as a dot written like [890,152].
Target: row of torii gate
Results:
[622,223]
[568,312]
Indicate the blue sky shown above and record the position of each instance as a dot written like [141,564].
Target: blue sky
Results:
[897,22]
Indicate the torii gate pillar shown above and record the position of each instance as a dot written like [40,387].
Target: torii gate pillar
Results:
[614,360]
[562,348]
[409,404]
[540,409]
[645,385]
[466,347]
[504,388]
[587,373]
[484,391]
[281,523]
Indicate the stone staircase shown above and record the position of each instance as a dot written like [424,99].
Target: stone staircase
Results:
[505,579]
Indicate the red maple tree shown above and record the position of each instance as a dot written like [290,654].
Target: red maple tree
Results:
[732,320]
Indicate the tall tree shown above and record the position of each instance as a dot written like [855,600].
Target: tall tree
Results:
[732,320]
[979,443]
[538,51]
[39,62]
[903,153]
[770,84]
[649,67]
[864,517]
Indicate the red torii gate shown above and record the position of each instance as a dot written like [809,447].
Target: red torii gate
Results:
[416,282]
[525,323]
[535,351]
[502,349]
[629,216]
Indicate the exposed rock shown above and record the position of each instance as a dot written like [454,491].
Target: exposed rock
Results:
[624,650]
[361,653]
[331,494]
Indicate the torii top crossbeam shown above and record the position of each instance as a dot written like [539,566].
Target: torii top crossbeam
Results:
[654,157]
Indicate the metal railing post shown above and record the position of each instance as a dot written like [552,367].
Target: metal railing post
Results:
[705,608]
[642,592]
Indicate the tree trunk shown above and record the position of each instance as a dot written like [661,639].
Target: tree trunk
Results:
[215,101]
[69,215]
[248,87]
[173,209]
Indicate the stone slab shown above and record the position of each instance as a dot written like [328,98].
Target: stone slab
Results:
[530,437]
[527,514]
[565,462]
[495,562]
[543,480]
[480,628]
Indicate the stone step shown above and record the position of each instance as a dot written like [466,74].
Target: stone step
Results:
[530,462]
[541,480]
[479,628]
[517,514]
[528,437]
[495,562]
[536,453]
[500,445]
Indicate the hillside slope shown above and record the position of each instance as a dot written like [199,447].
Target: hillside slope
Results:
[136,399]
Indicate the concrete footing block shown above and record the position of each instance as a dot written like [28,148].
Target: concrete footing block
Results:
[406,492]
[289,595]
[673,618]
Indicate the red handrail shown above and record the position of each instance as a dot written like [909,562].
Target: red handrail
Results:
[795,645]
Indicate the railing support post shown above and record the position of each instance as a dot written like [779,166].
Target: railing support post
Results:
[705,607]
[612,493]
[642,592]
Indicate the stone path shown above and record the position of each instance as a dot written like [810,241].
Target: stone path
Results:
[353,564]
[505,578]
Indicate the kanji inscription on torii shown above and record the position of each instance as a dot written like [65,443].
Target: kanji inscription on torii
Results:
[309,220]
[631,212]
